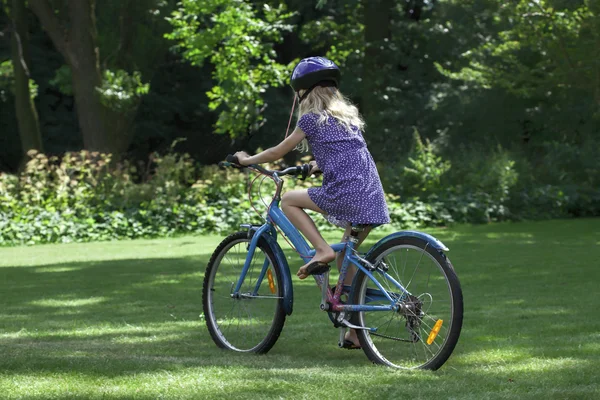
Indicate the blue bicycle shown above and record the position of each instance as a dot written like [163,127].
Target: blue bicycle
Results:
[405,301]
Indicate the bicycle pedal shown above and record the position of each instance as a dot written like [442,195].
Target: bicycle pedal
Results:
[317,268]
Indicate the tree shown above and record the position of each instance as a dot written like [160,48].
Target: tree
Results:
[377,34]
[105,100]
[24,88]
[237,38]
[543,46]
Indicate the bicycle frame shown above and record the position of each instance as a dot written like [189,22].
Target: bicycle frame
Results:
[246,312]
[276,217]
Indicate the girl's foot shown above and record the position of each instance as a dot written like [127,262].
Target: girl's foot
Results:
[324,256]
[351,340]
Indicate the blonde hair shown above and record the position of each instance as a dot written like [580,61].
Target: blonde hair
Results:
[328,101]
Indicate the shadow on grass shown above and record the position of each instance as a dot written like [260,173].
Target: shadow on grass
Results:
[133,291]
[119,317]
[525,313]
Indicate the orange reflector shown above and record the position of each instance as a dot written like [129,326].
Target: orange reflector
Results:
[271,281]
[434,332]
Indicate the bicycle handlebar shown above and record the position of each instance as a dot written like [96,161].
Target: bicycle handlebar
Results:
[302,170]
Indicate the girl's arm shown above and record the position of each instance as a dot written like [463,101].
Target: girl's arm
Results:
[274,153]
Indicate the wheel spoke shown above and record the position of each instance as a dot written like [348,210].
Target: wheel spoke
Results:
[401,336]
[245,322]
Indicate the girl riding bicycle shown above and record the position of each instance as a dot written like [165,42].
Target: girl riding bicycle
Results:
[351,192]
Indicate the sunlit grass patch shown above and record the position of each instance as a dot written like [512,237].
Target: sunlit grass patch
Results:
[124,320]
[60,303]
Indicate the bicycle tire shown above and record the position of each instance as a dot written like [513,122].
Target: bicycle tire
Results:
[411,330]
[221,327]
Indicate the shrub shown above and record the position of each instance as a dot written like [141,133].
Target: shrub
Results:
[422,176]
[84,196]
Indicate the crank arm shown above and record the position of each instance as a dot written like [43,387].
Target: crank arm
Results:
[347,324]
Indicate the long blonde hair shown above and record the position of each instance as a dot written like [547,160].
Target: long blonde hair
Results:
[328,101]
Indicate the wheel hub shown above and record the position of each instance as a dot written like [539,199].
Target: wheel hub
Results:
[411,309]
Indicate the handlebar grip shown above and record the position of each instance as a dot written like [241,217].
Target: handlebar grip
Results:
[232,159]
[305,171]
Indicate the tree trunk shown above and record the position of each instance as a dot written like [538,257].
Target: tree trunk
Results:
[121,124]
[78,47]
[29,127]
[377,21]
[86,75]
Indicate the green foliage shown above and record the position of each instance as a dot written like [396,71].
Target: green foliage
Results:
[425,170]
[540,45]
[508,130]
[491,186]
[82,197]
[476,169]
[62,80]
[339,32]
[122,91]
[237,38]
[7,81]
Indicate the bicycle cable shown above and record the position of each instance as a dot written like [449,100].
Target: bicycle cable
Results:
[261,183]
[268,208]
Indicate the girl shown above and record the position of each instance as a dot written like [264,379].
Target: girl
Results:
[351,191]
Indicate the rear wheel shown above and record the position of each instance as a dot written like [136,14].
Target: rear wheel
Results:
[424,330]
[250,320]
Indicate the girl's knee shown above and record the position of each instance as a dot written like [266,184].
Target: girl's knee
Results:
[289,198]
[286,201]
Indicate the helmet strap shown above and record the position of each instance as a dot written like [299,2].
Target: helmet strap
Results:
[291,115]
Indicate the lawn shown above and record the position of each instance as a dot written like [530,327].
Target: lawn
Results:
[123,320]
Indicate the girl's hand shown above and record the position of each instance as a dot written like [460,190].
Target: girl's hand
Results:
[242,156]
[314,168]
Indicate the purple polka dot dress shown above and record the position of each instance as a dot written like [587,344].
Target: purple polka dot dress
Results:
[351,191]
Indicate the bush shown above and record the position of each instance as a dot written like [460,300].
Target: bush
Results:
[422,176]
[86,196]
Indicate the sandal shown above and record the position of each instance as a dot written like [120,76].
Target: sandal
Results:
[316,268]
[350,345]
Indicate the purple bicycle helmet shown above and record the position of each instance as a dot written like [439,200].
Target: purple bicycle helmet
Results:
[314,71]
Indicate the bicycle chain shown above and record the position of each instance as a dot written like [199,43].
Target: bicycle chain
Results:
[392,337]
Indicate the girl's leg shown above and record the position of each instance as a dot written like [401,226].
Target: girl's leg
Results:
[293,204]
[351,334]
[351,268]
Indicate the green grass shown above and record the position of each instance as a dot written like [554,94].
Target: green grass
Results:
[122,320]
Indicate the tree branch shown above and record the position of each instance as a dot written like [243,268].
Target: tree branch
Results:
[20,52]
[43,10]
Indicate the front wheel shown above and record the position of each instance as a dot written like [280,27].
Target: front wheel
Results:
[424,328]
[251,319]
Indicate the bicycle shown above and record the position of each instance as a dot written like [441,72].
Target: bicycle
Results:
[405,301]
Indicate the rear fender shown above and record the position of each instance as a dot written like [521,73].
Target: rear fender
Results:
[433,242]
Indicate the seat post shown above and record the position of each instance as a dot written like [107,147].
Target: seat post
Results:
[356,229]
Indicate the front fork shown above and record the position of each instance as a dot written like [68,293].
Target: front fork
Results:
[265,229]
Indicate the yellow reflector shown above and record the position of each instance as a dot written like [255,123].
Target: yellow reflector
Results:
[271,281]
[434,332]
